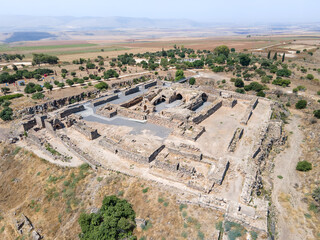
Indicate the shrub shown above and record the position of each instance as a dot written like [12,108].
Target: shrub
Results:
[69,82]
[240,90]
[254,86]
[284,72]
[37,96]
[239,83]
[301,104]
[316,194]
[281,82]
[6,114]
[261,94]
[192,81]
[179,75]
[304,166]
[101,86]
[316,113]
[310,77]
[91,65]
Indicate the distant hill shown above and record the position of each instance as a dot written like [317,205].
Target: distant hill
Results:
[30,23]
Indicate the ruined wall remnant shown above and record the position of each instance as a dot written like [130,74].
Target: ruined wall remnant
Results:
[40,120]
[131,91]
[105,99]
[218,171]
[70,110]
[54,104]
[237,135]
[28,124]
[85,130]
[229,102]
[149,85]
[129,152]
[207,111]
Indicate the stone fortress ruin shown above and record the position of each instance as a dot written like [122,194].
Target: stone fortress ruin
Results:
[210,144]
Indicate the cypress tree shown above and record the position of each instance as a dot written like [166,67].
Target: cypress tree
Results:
[269,53]
[283,56]
[275,57]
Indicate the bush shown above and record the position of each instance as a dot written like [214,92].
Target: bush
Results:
[261,94]
[6,114]
[179,75]
[304,166]
[310,77]
[239,83]
[101,86]
[110,74]
[281,82]
[240,90]
[91,65]
[316,194]
[284,72]
[316,113]
[192,81]
[301,104]
[114,220]
[37,96]
[254,86]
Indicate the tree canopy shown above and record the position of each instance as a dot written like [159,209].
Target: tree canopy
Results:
[114,220]
[222,50]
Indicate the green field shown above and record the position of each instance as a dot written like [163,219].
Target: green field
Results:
[7,48]
[90,50]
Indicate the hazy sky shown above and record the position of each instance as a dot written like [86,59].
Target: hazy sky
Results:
[201,10]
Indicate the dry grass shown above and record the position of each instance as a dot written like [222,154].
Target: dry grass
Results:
[27,188]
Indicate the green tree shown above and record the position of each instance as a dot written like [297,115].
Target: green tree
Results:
[101,86]
[301,104]
[283,57]
[192,81]
[114,220]
[244,59]
[5,90]
[179,75]
[275,57]
[239,83]
[269,54]
[222,50]
[316,113]
[48,86]
[310,77]
[61,85]
[69,82]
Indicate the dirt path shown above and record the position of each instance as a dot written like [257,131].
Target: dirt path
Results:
[290,213]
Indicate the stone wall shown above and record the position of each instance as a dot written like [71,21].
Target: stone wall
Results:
[132,102]
[40,120]
[28,124]
[127,152]
[207,111]
[218,171]
[70,110]
[124,112]
[131,91]
[149,85]
[104,100]
[85,130]
[237,135]
[54,104]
